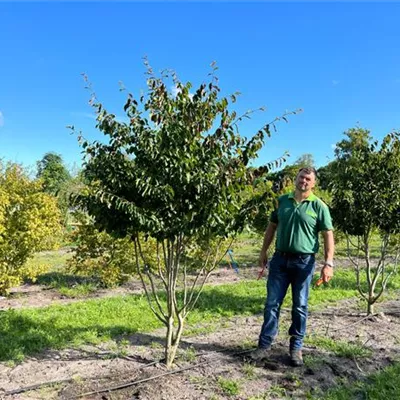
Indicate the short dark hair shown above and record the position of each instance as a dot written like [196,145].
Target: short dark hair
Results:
[309,170]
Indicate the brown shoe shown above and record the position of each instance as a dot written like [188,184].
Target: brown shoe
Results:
[260,354]
[296,358]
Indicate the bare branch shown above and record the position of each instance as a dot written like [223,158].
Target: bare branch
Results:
[246,115]
[380,269]
[349,240]
[384,284]
[367,261]
[178,252]
[149,275]
[356,265]
[348,251]
[162,317]
[214,265]
[160,272]
[194,284]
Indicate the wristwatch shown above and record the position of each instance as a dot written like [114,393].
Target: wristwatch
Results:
[329,263]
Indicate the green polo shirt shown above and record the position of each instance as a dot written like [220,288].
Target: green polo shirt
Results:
[300,223]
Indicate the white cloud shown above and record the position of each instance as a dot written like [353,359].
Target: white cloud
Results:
[119,118]
[175,91]
[83,114]
[333,146]
[1,119]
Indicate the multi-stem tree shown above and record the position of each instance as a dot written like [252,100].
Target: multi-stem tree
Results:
[175,171]
[365,182]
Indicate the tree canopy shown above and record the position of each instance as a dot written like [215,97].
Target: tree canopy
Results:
[176,168]
[52,171]
[365,182]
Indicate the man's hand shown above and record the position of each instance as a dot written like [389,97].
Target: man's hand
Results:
[326,273]
[262,263]
[268,238]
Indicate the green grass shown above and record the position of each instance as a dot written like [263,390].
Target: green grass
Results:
[229,387]
[52,263]
[374,244]
[249,370]
[383,385]
[274,392]
[58,280]
[314,361]
[188,354]
[53,260]
[339,347]
[79,291]
[246,249]
[28,331]
[200,330]
[71,286]
[345,278]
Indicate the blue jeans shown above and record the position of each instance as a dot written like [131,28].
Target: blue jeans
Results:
[284,270]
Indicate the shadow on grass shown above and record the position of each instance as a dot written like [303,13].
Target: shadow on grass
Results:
[22,335]
[59,280]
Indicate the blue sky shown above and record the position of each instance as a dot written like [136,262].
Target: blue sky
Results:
[339,62]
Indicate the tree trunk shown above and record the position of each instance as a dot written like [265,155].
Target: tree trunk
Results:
[170,353]
[370,309]
[172,341]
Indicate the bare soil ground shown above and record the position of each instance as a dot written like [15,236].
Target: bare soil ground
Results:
[209,366]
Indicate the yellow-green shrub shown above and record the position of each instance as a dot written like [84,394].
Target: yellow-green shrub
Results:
[28,218]
[97,254]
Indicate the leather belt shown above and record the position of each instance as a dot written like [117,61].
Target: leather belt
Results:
[292,255]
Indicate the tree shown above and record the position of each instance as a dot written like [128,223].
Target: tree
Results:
[305,160]
[263,199]
[174,172]
[28,217]
[55,180]
[325,175]
[366,200]
[53,173]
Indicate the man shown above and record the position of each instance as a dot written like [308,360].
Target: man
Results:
[298,219]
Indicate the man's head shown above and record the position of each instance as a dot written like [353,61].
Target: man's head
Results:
[306,179]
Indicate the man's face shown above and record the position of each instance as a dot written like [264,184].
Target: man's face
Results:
[305,182]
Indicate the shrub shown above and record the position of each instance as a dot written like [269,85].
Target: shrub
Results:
[99,255]
[29,219]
